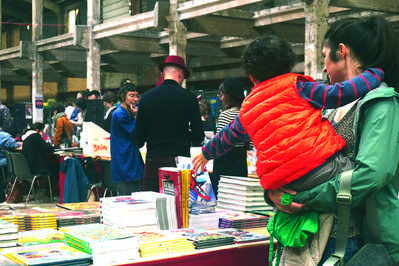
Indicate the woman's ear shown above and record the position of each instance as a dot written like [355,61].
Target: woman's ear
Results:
[342,50]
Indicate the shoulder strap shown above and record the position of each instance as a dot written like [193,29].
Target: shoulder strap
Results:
[344,200]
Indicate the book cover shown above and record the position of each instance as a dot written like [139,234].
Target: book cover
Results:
[94,238]
[46,254]
[241,236]
[201,191]
[170,183]
[42,236]
[95,205]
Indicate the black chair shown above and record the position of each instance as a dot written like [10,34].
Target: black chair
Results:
[9,177]
[21,171]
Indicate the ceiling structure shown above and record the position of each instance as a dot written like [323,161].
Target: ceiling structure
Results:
[217,32]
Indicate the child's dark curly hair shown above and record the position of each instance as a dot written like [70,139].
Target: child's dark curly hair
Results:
[267,57]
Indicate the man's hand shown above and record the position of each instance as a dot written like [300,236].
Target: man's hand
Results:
[199,161]
[292,208]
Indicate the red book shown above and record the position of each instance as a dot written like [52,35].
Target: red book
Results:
[170,183]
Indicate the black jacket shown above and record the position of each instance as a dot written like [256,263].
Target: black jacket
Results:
[35,150]
[169,120]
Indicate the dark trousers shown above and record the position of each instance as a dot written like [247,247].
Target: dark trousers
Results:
[150,180]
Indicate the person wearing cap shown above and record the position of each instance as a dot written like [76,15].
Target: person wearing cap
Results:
[168,120]
[234,162]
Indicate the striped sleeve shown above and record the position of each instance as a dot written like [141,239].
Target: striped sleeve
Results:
[226,117]
[322,96]
[231,135]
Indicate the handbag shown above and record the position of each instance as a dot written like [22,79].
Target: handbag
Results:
[371,252]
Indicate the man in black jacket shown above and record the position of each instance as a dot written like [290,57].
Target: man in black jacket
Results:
[169,120]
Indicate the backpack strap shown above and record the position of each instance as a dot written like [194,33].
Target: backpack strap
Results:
[344,200]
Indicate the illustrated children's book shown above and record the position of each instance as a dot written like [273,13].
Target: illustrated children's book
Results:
[201,191]
[47,254]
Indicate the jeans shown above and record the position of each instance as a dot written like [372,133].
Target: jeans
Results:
[352,247]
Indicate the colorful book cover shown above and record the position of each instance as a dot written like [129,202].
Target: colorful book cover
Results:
[46,254]
[170,183]
[241,236]
[94,238]
[95,205]
[201,191]
[42,236]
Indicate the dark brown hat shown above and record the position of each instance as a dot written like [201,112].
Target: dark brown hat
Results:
[177,61]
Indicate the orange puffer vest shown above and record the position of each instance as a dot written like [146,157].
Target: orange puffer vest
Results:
[290,136]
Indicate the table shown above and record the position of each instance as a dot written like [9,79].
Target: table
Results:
[253,254]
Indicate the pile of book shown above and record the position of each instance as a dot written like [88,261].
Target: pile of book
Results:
[57,254]
[204,217]
[209,239]
[30,219]
[8,234]
[148,210]
[241,194]
[156,243]
[75,214]
[241,236]
[107,245]
[241,220]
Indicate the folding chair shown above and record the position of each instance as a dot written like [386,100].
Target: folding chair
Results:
[21,171]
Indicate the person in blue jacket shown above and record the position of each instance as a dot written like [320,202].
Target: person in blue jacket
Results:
[126,162]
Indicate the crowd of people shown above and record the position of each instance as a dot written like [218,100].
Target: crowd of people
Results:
[300,153]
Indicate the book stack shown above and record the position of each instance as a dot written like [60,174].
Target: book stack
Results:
[241,220]
[8,234]
[241,236]
[69,217]
[58,254]
[107,245]
[148,210]
[156,243]
[204,217]
[241,194]
[30,219]
[37,237]
[209,239]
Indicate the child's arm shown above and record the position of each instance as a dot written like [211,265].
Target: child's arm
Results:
[322,96]
[227,138]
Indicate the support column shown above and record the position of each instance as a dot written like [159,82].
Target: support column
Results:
[316,24]
[177,33]
[38,62]
[93,55]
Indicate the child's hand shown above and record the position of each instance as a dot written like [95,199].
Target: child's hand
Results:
[199,161]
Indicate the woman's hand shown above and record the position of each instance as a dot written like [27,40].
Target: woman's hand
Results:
[199,161]
[292,208]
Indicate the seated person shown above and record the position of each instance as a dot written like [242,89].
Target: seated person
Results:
[35,149]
